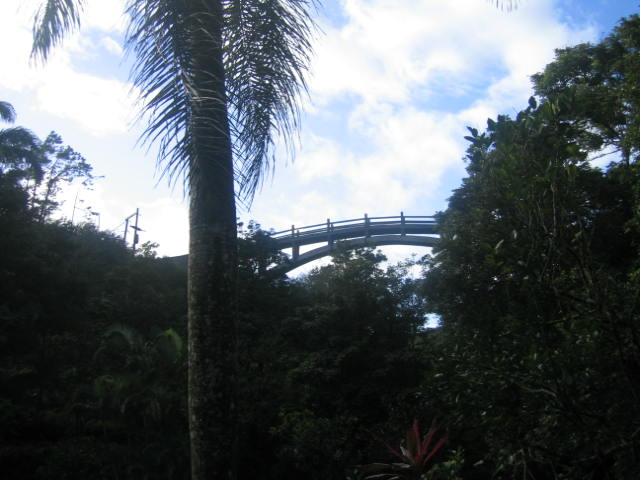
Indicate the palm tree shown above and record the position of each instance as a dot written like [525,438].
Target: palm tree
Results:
[19,148]
[218,78]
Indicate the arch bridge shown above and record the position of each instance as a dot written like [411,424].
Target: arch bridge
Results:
[354,233]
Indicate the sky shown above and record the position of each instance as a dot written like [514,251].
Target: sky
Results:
[393,84]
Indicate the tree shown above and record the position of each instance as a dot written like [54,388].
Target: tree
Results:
[535,278]
[39,167]
[19,147]
[598,85]
[218,78]
[59,164]
[344,351]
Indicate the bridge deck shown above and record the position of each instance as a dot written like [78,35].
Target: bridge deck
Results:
[354,228]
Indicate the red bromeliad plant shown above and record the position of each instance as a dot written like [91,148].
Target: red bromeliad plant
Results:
[415,455]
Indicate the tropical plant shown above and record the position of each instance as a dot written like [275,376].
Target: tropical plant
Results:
[415,455]
[19,147]
[139,386]
[217,79]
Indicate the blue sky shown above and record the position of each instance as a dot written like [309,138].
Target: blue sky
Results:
[393,84]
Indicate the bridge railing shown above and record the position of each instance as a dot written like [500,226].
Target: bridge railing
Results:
[330,227]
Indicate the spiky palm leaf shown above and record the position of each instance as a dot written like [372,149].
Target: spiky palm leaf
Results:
[159,38]
[53,21]
[267,47]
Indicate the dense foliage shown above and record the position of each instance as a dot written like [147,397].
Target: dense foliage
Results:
[91,371]
[536,277]
[533,372]
[93,367]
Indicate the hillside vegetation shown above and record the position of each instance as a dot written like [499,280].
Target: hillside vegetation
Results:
[532,373]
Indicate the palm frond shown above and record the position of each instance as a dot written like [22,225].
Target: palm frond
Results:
[7,112]
[52,22]
[267,50]
[191,101]
[158,38]
[507,5]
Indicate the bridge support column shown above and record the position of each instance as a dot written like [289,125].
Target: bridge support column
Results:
[329,237]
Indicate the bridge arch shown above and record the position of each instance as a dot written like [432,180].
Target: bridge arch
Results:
[352,234]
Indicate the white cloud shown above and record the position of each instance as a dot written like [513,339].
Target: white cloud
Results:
[97,105]
[389,63]
[107,16]
[112,46]
[165,221]
[412,150]
[320,157]
[389,49]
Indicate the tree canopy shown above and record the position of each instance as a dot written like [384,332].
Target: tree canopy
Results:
[535,276]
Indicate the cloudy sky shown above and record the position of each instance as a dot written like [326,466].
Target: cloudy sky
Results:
[393,84]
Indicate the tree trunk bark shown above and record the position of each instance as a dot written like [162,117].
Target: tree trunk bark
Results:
[213,261]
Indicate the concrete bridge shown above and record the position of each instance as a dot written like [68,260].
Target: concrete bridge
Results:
[355,233]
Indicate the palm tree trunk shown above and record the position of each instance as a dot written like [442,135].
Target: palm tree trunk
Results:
[212,258]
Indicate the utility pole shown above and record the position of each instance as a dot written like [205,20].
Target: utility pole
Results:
[134,227]
[136,230]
